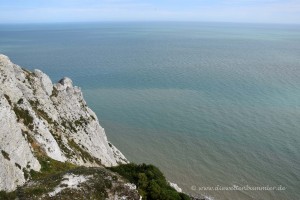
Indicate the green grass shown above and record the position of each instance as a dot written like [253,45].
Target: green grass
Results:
[24,115]
[50,167]
[151,183]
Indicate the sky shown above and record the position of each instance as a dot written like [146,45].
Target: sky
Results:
[49,11]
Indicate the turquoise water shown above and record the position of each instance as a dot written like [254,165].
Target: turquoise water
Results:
[209,103]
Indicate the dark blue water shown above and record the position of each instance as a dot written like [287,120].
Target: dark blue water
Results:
[210,104]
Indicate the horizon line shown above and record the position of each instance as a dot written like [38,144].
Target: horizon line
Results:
[144,21]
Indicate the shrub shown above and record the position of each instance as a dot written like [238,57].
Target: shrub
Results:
[150,181]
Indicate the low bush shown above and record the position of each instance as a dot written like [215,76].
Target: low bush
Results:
[150,181]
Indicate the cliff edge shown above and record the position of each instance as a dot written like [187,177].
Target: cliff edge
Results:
[40,119]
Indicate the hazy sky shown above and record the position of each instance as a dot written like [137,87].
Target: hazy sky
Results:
[274,11]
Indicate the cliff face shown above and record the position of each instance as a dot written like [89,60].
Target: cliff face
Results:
[38,118]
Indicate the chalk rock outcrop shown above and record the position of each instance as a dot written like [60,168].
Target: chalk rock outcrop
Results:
[40,118]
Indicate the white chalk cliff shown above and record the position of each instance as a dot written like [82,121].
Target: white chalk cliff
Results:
[53,117]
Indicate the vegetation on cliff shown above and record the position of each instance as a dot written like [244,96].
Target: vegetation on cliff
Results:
[150,182]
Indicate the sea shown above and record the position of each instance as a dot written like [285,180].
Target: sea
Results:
[216,106]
